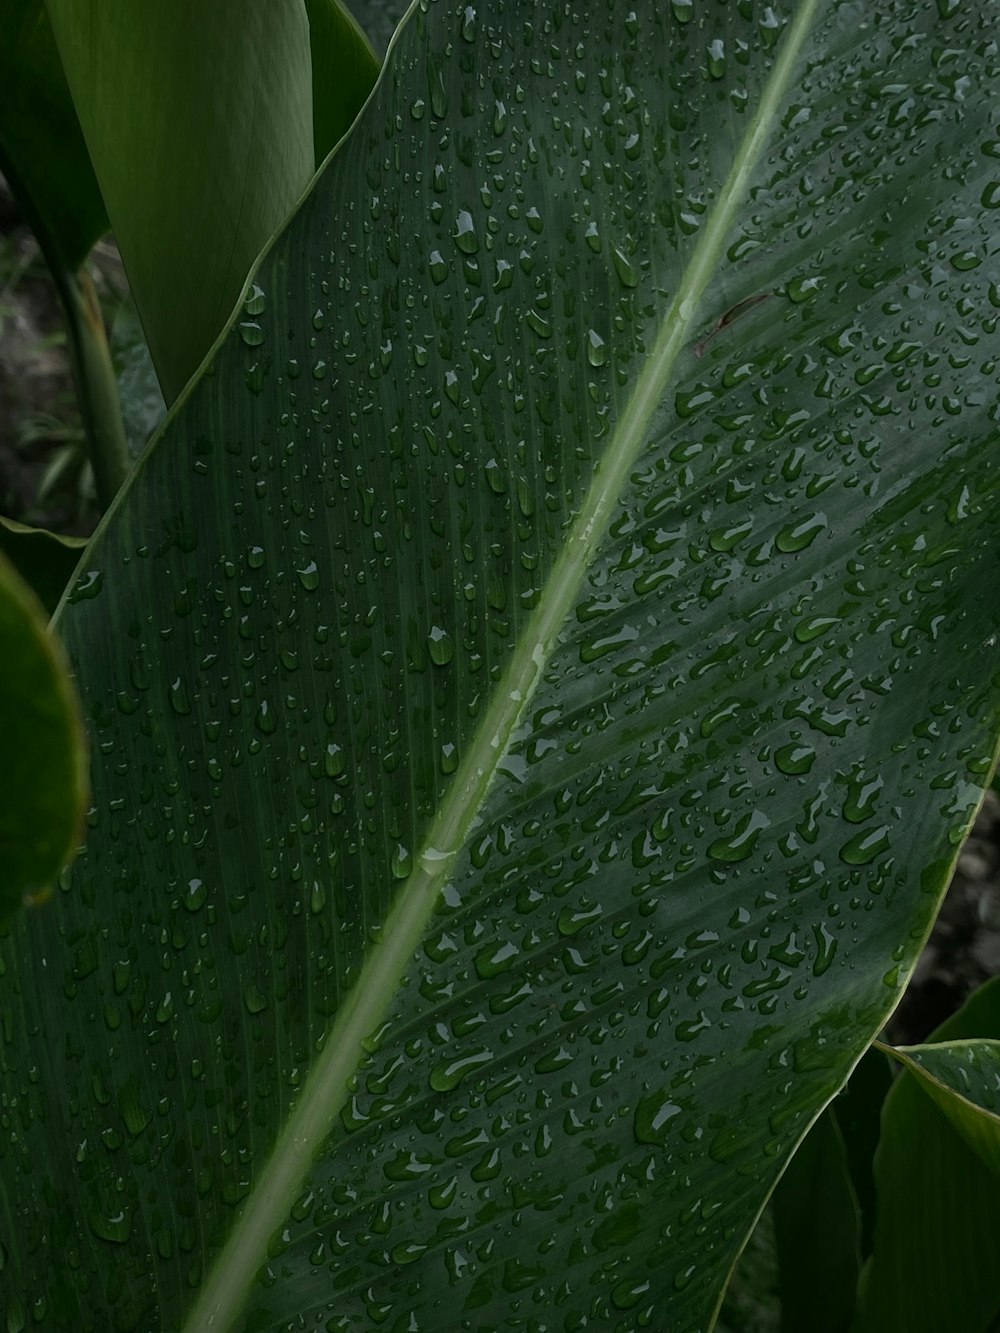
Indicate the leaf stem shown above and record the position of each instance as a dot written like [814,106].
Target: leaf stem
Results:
[93,372]
[96,385]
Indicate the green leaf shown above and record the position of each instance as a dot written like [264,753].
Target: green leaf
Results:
[198,119]
[45,560]
[817,1234]
[752,1303]
[963,1078]
[42,150]
[378,19]
[44,158]
[859,1112]
[344,67]
[530,753]
[934,1267]
[43,777]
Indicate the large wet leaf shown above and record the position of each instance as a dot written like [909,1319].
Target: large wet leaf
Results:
[530,752]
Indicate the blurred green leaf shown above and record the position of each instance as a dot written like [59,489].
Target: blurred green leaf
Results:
[530,752]
[937,1235]
[198,119]
[817,1233]
[344,68]
[858,1110]
[42,149]
[45,560]
[43,775]
[752,1303]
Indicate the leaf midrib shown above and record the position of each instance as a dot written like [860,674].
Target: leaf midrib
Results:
[229,1281]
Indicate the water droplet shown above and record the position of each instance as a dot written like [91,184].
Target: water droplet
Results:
[255,301]
[742,843]
[180,701]
[448,1074]
[800,534]
[401,861]
[440,645]
[449,757]
[652,1118]
[627,275]
[195,895]
[251,333]
[115,1227]
[538,323]
[496,959]
[597,352]
[465,233]
[88,585]
[266,718]
[309,576]
[794,759]
[862,797]
[865,846]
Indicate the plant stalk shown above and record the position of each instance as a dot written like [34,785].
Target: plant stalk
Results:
[93,372]
[96,386]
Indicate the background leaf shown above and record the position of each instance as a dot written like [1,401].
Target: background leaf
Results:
[859,1113]
[709,844]
[45,560]
[344,68]
[938,1219]
[199,124]
[42,149]
[817,1234]
[43,777]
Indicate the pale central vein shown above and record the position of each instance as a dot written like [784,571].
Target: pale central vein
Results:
[325,1091]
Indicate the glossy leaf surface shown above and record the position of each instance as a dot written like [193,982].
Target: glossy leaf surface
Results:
[934,1269]
[531,752]
[43,776]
